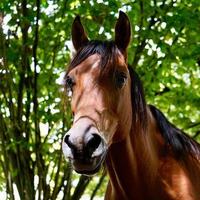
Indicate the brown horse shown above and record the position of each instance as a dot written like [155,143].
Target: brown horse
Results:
[147,158]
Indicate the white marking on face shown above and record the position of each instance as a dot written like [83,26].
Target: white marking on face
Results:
[96,64]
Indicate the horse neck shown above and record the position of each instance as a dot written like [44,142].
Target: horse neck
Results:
[132,163]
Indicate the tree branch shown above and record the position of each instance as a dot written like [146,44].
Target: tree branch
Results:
[140,47]
[80,188]
[98,186]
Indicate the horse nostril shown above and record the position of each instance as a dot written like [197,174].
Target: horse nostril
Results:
[83,151]
[66,139]
[93,143]
[69,143]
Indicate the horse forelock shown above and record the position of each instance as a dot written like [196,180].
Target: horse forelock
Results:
[107,50]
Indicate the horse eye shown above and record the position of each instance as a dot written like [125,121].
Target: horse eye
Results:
[121,79]
[69,82]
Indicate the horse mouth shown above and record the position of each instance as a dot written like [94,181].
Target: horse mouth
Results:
[88,167]
[89,172]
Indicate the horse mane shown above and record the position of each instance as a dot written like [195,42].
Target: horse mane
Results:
[180,143]
[139,106]
[175,139]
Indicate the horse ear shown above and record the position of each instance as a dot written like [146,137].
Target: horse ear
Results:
[79,37]
[122,32]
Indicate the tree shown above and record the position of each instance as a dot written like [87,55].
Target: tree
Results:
[35,48]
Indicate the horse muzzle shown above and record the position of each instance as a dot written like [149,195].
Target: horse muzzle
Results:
[84,147]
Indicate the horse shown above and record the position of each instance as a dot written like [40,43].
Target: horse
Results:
[145,155]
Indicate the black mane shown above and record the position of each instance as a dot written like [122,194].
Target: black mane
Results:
[139,106]
[175,139]
[179,142]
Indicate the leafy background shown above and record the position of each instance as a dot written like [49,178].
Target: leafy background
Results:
[35,49]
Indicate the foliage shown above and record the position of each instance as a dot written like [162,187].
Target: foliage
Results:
[35,48]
